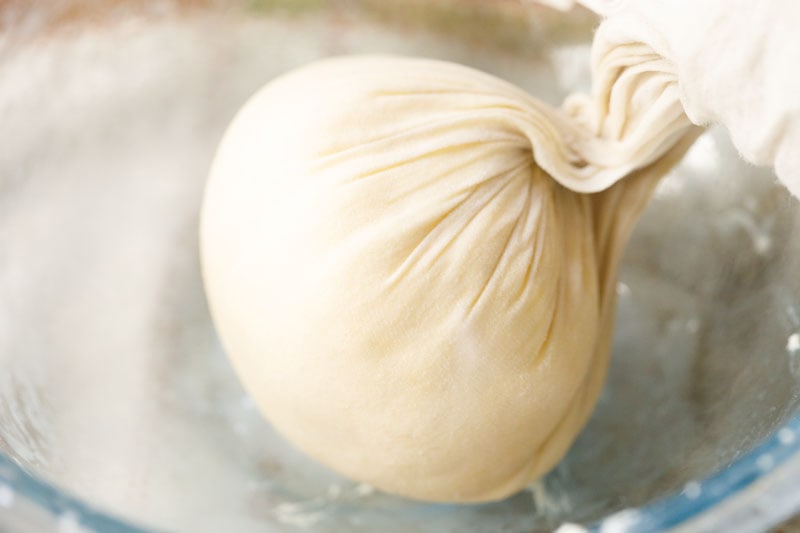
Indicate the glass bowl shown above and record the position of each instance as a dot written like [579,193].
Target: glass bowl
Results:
[118,410]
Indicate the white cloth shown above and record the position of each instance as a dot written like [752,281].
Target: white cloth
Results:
[461,303]
[736,62]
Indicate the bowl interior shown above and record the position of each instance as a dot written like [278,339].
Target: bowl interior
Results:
[113,386]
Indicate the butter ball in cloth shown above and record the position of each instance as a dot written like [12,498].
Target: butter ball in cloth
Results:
[411,265]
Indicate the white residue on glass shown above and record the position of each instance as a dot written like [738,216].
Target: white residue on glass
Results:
[793,343]
[302,515]
[68,523]
[623,290]
[6,496]
[765,462]
[571,528]
[692,490]
[786,436]
[620,522]
[362,489]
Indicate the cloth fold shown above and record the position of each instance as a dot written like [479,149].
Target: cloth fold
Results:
[732,63]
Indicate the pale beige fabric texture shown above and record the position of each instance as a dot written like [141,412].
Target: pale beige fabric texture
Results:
[403,274]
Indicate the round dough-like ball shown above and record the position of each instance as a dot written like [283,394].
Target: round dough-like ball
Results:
[406,294]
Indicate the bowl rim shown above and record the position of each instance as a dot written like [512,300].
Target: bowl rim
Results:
[56,503]
[756,478]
